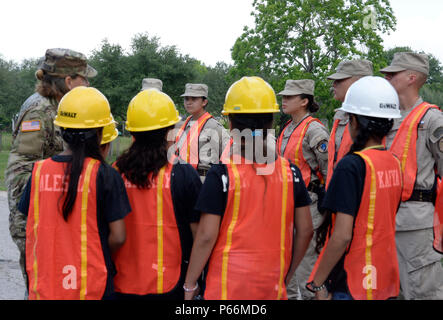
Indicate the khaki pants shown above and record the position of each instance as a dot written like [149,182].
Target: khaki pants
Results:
[421,269]
[297,286]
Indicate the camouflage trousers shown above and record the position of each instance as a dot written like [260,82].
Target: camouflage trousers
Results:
[17,230]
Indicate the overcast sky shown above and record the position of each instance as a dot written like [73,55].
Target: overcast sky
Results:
[204,29]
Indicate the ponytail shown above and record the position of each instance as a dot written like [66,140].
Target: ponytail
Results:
[83,144]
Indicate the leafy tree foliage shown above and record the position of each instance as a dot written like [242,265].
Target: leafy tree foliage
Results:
[295,39]
[17,82]
[120,74]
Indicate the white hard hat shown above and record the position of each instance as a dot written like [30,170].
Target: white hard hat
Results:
[372,97]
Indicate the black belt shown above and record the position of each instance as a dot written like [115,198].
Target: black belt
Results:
[202,172]
[315,186]
[423,196]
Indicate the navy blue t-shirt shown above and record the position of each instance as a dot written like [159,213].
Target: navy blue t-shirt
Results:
[214,194]
[112,205]
[344,195]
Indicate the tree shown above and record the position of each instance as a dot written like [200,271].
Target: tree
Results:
[120,74]
[17,83]
[113,78]
[165,63]
[294,39]
[217,79]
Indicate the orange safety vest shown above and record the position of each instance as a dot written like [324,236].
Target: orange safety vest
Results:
[253,252]
[188,151]
[294,150]
[64,259]
[404,147]
[438,219]
[371,261]
[345,146]
[150,260]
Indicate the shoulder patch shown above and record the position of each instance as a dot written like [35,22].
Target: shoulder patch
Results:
[30,126]
[322,146]
[440,145]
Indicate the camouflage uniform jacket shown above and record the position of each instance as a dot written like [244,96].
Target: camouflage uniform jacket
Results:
[35,137]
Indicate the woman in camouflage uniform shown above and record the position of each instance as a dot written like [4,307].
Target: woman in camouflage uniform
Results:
[35,137]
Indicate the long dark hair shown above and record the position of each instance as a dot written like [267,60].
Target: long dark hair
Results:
[147,154]
[368,127]
[82,143]
[255,122]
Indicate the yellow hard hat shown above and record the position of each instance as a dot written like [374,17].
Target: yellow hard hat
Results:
[151,110]
[110,133]
[83,108]
[250,95]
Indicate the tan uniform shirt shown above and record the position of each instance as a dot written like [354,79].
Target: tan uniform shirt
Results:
[211,142]
[314,146]
[344,120]
[414,215]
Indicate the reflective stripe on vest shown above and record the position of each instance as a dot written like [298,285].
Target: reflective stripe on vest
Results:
[404,147]
[345,146]
[189,149]
[438,219]
[254,235]
[73,265]
[371,261]
[35,226]
[294,150]
[150,260]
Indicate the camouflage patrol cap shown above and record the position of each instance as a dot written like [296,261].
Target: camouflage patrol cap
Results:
[149,83]
[408,61]
[195,90]
[296,87]
[65,62]
[351,68]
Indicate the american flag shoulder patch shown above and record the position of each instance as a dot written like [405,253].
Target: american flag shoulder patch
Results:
[29,126]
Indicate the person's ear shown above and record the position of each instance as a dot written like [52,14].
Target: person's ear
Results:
[412,78]
[68,82]
[304,102]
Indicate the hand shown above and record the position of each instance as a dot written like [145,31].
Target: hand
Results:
[323,295]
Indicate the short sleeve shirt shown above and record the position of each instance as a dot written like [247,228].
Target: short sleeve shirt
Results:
[344,195]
